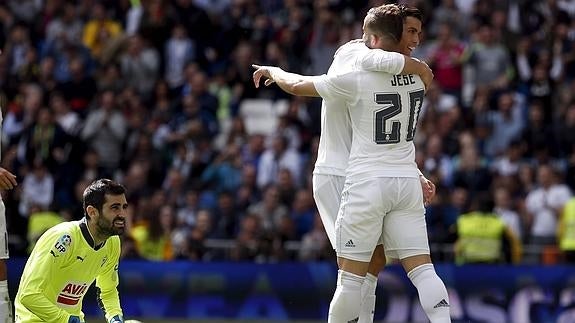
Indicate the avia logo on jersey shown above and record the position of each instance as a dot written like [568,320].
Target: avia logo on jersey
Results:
[72,293]
[350,244]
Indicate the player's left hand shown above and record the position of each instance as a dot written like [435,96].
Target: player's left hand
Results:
[117,319]
[428,189]
[262,71]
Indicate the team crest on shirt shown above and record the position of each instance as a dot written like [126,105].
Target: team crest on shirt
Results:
[63,243]
[72,293]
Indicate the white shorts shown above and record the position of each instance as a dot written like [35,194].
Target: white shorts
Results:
[3,232]
[327,195]
[388,208]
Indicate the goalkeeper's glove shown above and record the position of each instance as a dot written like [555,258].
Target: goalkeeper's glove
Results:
[74,319]
[116,319]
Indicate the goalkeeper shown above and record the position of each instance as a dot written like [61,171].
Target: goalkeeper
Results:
[70,256]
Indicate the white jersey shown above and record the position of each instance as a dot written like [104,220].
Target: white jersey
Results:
[384,109]
[336,133]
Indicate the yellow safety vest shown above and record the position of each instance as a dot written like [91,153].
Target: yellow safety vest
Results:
[567,227]
[480,237]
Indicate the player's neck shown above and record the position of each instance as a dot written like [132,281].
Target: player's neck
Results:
[93,231]
[388,45]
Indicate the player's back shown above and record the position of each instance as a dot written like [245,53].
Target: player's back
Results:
[384,109]
[336,135]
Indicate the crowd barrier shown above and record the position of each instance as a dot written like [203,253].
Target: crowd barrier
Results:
[302,291]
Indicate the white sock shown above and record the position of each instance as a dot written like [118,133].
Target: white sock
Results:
[368,299]
[432,293]
[346,302]
[5,305]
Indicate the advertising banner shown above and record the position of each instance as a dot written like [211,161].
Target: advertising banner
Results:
[302,291]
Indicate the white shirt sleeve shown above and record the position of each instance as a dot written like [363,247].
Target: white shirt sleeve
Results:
[340,87]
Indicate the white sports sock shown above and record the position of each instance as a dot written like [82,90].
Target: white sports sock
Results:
[432,293]
[5,304]
[368,299]
[346,302]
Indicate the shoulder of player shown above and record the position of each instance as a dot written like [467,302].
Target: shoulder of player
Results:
[350,48]
[114,243]
[61,238]
[70,228]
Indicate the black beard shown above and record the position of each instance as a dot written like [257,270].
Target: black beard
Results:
[107,229]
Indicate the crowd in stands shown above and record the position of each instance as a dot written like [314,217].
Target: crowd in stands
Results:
[158,95]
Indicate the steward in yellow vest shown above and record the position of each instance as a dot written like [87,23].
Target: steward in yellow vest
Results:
[482,237]
[566,231]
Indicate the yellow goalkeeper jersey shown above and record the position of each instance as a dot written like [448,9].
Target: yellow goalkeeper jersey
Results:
[63,264]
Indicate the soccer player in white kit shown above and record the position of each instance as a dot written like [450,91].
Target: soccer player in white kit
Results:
[335,144]
[382,188]
[7,182]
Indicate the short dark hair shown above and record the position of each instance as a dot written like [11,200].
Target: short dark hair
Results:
[95,194]
[387,20]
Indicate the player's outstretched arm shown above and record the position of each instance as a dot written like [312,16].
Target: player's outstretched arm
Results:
[291,83]
[107,286]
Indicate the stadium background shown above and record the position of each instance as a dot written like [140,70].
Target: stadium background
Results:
[158,95]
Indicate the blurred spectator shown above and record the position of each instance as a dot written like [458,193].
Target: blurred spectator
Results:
[180,50]
[504,208]
[37,190]
[17,45]
[544,204]
[140,65]
[44,141]
[99,31]
[269,210]
[248,239]
[67,119]
[105,130]
[489,61]
[226,219]
[303,212]
[65,29]
[224,173]
[154,239]
[446,57]
[22,114]
[470,173]
[437,162]
[506,124]
[278,156]
[537,136]
[80,88]
[129,248]
[314,244]
[25,10]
